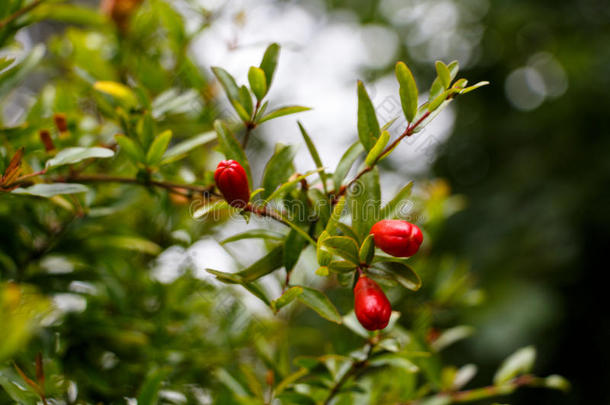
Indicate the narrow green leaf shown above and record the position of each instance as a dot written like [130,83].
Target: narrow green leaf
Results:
[267,264]
[394,208]
[438,100]
[280,112]
[158,147]
[347,230]
[365,197]
[150,389]
[408,91]
[451,336]
[131,148]
[254,234]
[436,89]
[278,192]
[454,68]
[343,246]
[320,303]
[520,362]
[346,163]
[556,382]
[286,298]
[227,82]
[323,256]
[210,208]
[333,222]
[293,246]
[443,73]
[231,148]
[367,250]
[368,126]
[245,99]
[322,271]
[375,153]
[77,154]
[400,272]
[272,261]
[269,62]
[278,169]
[241,111]
[256,290]
[314,155]
[51,190]
[473,87]
[258,82]
[394,360]
[180,149]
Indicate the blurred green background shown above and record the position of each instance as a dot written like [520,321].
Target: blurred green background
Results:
[528,154]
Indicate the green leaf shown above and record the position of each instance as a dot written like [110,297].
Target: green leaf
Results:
[314,155]
[231,148]
[320,303]
[436,89]
[365,197]
[279,112]
[50,190]
[258,82]
[180,149]
[393,208]
[270,262]
[344,247]
[473,87]
[269,62]
[322,271]
[285,186]
[368,126]
[520,362]
[256,290]
[346,163]
[241,111]
[130,148]
[323,256]
[77,154]
[278,169]
[123,94]
[333,222]
[158,147]
[454,68]
[556,382]
[210,208]
[375,153]
[347,230]
[394,360]
[443,73]
[227,82]
[245,99]
[10,79]
[293,246]
[341,266]
[150,389]
[408,91]
[438,100]
[450,336]
[367,250]
[254,234]
[399,271]
[286,298]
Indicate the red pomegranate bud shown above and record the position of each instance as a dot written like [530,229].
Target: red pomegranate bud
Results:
[372,307]
[232,181]
[397,238]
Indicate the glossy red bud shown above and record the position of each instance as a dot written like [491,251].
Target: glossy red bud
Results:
[372,307]
[232,181]
[397,238]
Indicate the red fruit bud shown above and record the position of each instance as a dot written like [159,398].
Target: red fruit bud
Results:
[232,181]
[372,307]
[397,238]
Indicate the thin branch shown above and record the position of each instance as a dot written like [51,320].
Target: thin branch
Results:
[477,394]
[410,130]
[250,125]
[19,13]
[356,368]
